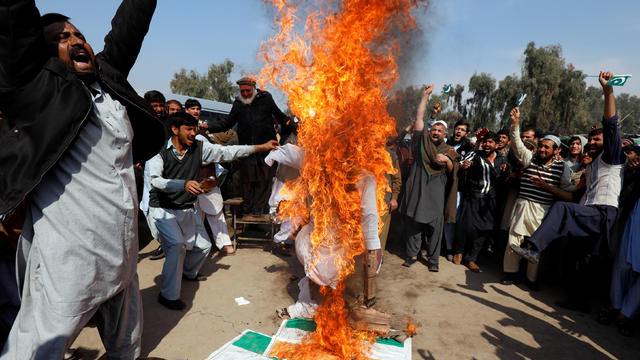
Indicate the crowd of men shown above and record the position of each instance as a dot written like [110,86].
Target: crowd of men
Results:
[514,192]
[74,177]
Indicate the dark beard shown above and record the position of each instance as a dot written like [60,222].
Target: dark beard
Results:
[540,161]
[484,154]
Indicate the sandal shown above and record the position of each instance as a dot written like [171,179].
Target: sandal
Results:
[625,326]
[607,315]
[283,313]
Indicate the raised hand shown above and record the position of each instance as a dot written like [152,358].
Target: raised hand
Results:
[604,78]
[515,116]
[428,90]
[609,98]
[436,110]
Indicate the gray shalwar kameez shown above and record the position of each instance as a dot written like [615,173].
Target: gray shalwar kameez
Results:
[78,252]
[423,204]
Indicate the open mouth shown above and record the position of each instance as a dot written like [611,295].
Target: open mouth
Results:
[81,59]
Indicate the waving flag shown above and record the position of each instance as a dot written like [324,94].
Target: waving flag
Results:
[519,101]
[616,80]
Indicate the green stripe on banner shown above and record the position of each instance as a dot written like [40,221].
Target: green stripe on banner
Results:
[391,342]
[253,342]
[302,324]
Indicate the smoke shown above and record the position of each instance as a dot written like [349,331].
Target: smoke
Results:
[414,46]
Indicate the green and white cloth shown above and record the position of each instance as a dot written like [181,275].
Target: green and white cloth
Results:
[251,345]
[294,330]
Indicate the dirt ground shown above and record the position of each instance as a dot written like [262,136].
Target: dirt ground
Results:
[461,315]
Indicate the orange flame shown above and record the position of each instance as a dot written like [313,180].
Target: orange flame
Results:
[412,329]
[337,72]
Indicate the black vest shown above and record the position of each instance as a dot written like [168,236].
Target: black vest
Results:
[186,169]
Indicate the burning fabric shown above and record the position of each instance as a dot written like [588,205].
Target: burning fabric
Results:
[250,345]
[337,73]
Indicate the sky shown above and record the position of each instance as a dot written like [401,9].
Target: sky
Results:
[459,37]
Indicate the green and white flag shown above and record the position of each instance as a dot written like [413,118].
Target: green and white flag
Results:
[447,89]
[294,331]
[618,80]
[519,101]
[249,345]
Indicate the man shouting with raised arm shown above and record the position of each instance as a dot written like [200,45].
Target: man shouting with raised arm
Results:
[68,151]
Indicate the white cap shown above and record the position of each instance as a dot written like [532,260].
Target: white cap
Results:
[441,123]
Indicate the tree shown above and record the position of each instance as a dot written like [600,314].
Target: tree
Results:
[404,105]
[214,85]
[480,112]
[458,105]
[504,98]
[628,108]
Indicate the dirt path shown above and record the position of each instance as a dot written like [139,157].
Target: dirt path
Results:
[461,315]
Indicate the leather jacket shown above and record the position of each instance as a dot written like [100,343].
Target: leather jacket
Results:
[46,104]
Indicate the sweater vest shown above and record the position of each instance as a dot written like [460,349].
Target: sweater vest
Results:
[550,174]
[186,169]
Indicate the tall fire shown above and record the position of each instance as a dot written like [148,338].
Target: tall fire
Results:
[335,60]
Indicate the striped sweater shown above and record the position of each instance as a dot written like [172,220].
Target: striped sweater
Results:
[551,174]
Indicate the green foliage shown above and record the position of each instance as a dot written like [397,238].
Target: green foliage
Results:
[480,110]
[629,111]
[213,85]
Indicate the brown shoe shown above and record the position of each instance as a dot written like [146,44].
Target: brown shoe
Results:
[457,259]
[473,266]
[227,250]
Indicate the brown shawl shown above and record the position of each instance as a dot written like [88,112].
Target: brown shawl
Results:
[429,152]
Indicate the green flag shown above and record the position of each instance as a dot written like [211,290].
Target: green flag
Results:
[519,101]
[618,80]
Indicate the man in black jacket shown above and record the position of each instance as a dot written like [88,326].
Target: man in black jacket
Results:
[479,172]
[68,151]
[254,111]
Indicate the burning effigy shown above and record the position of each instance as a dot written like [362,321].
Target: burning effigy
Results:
[336,63]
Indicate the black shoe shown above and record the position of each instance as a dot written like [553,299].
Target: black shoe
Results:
[157,254]
[408,262]
[509,279]
[434,268]
[198,277]
[171,304]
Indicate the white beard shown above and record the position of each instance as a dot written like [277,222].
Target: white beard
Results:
[249,100]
